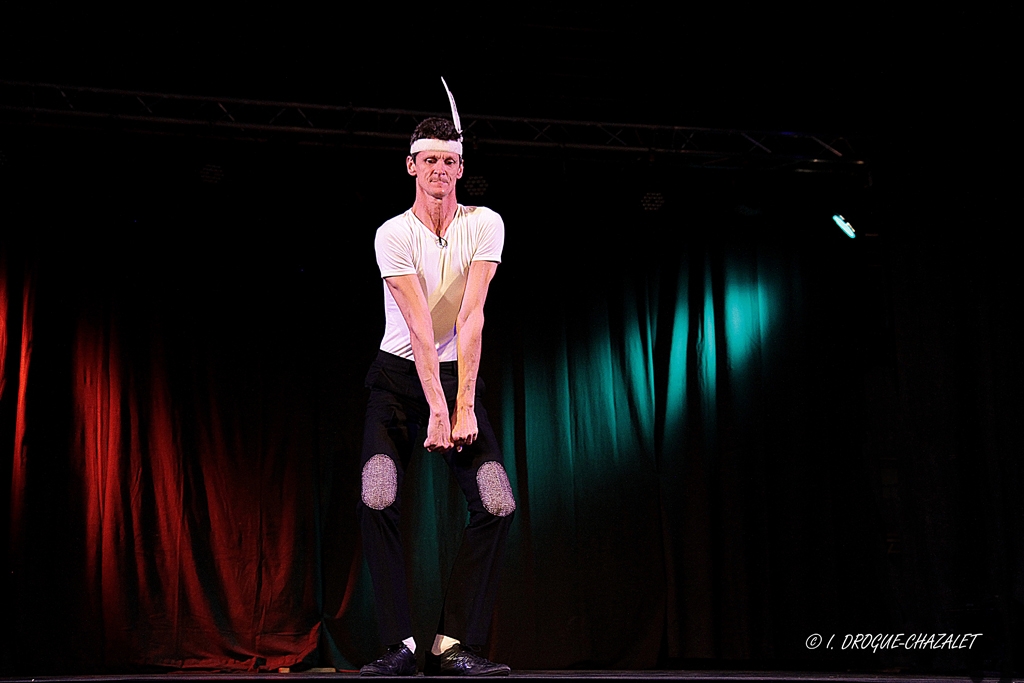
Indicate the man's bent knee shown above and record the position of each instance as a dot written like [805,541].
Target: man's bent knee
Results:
[495,491]
[380,482]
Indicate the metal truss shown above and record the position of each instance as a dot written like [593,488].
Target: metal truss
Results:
[367,127]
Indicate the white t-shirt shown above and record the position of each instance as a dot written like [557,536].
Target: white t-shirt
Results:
[405,246]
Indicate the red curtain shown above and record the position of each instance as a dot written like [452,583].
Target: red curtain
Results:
[174,525]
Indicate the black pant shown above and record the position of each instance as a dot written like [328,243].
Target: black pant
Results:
[395,426]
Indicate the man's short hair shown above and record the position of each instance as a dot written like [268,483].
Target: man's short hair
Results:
[435,128]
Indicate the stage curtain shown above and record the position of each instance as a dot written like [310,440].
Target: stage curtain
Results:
[693,403]
[682,412]
[154,484]
[191,451]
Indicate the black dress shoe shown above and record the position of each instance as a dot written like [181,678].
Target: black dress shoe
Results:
[457,661]
[399,661]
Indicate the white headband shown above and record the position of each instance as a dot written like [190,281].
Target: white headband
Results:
[434,145]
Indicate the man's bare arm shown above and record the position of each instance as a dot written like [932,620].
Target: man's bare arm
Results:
[412,302]
[470,325]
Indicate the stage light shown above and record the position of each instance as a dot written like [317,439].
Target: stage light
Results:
[652,201]
[211,174]
[845,225]
[474,185]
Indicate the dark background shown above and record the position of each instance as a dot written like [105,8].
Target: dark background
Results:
[183,359]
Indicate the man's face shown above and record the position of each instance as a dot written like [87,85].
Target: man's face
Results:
[435,172]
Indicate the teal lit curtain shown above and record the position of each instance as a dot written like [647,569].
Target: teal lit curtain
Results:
[638,409]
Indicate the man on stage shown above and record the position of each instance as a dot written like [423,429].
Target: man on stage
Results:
[437,260]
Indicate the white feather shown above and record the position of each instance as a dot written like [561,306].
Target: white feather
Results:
[455,111]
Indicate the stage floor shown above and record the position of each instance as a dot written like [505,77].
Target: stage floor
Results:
[688,676]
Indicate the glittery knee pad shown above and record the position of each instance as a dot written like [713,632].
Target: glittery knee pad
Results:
[495,491]
[380,482]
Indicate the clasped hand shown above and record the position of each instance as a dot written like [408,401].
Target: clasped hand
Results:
[444,433]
